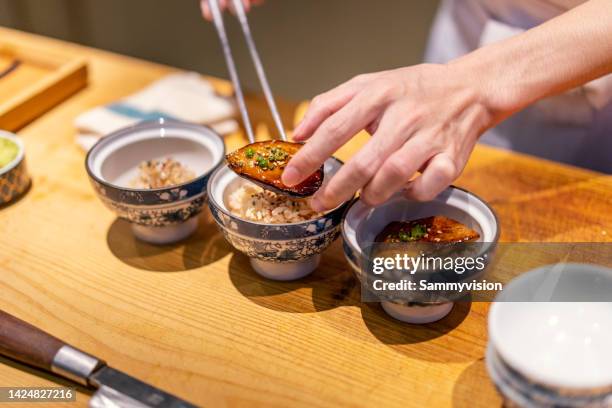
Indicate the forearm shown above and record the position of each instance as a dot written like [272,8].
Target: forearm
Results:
[558,55]
[428,117]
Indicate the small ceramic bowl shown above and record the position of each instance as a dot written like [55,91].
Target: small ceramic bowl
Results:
[362,223]
[14,178]
[548,342]
[161,215]
[519,391]
[276,251]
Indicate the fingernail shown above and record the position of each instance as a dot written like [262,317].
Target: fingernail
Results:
[290,176]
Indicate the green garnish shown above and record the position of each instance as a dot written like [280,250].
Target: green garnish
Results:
[277,155]
[404,237]
[416,232]
[262,162]
[269,160]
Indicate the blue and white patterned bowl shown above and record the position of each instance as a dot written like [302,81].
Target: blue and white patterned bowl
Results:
[161,215]
[14,177]
[362,223]
[277,251]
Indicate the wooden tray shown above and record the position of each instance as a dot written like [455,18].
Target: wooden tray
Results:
[34,81]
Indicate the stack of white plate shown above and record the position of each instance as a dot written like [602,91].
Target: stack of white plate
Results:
[553,353]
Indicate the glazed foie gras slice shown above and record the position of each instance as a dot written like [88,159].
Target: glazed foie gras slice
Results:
[264,162]
[436,229]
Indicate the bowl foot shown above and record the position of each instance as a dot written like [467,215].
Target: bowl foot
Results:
[417,314]
[285,271]
[165,235]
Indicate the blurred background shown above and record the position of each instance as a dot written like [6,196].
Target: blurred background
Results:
[307,46]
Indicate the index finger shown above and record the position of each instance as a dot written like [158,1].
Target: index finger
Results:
[322,107]
[329,137]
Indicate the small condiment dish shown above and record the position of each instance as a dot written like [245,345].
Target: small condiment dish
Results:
[160,215]
[276,251]
[363,223]
[550,332]
[14,177]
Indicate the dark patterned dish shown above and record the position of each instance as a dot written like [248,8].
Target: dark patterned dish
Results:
[277,251]
[161,215]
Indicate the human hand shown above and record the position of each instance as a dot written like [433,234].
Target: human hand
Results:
[423,118]
[225,4]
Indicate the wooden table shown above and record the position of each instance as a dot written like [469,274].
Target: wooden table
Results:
[194,319]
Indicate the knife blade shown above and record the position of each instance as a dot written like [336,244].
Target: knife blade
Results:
[25,343]
[115,386]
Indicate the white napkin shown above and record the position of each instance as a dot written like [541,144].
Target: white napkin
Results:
[182,96]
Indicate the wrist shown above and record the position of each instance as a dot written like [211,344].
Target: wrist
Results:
[490,73]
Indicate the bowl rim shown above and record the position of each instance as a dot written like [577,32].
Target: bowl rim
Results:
[213,202]
[149,124]
[4,134]
[450,187]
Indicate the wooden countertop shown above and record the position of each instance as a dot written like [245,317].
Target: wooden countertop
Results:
[194,319]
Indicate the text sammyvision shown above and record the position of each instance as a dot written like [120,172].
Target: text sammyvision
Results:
[406,266]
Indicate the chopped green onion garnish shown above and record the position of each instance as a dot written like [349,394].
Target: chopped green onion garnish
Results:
[418,231]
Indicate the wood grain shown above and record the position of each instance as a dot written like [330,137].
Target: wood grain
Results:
[194,319]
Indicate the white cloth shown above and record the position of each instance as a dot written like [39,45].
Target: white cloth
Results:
[184,96]
[575,128]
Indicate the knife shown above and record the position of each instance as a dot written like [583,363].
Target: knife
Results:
[30,345]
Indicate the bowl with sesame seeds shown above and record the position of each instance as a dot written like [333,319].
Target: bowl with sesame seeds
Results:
[282,235]
[154,175]
[455,220]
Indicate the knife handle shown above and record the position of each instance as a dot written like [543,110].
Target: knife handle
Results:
[27,344]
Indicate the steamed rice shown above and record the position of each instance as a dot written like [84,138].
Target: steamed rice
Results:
[161,173]
[253,203]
